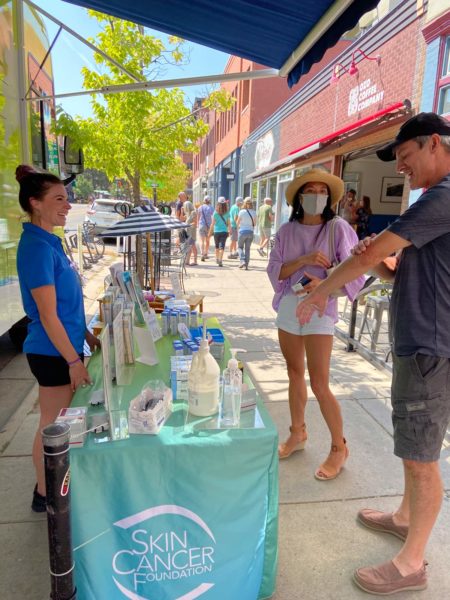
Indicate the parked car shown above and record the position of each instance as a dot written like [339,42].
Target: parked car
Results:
[102,213]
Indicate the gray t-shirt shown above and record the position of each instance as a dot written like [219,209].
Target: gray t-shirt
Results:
[420,305]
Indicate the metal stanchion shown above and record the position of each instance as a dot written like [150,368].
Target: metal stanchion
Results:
[55,439]
[353,315]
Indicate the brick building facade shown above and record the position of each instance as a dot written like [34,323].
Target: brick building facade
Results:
[339,125]
[216,167]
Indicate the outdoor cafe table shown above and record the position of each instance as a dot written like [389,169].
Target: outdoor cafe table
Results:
[184,514]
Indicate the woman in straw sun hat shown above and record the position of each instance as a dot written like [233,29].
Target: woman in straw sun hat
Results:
[304,249]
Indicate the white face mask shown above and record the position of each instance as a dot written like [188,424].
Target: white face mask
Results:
[313,204]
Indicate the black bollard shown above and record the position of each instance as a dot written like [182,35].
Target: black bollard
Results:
[55,438]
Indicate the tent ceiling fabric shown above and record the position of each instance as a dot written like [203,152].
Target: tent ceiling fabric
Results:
[266,32]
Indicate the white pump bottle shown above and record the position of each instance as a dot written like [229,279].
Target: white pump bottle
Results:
[204,381]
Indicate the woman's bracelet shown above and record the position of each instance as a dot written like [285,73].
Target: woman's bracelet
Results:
[73,362]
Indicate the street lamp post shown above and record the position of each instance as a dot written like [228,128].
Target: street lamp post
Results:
[155,194]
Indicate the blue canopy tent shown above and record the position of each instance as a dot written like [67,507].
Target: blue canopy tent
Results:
[289,36]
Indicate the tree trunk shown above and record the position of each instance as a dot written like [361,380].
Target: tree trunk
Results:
[135,184]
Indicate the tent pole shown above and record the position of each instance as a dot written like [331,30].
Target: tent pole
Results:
[150,261]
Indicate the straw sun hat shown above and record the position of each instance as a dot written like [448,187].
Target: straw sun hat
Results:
[335,185]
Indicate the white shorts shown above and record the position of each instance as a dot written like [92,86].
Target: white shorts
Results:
[287,320]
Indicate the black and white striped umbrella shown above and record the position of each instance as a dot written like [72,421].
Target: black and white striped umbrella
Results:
[143,219]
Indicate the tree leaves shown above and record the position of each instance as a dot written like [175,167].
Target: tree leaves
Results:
[136,135]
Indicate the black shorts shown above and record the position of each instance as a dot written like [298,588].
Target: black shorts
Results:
[50,371]
[220,239]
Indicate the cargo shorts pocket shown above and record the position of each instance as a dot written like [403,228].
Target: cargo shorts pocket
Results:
[421,407]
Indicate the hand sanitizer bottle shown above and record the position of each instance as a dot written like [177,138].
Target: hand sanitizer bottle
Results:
[203,381]
[232,393]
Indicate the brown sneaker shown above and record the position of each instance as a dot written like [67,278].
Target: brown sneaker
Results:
[386,579]
[380,521]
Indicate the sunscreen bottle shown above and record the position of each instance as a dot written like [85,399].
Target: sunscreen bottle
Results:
[203,381]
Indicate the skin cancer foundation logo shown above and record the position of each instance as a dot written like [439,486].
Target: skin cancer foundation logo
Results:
[155,555]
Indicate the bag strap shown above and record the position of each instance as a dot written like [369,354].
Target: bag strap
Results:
[331,241]
[221,216]
[250,215]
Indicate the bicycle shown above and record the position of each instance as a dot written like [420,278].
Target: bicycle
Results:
[93,241]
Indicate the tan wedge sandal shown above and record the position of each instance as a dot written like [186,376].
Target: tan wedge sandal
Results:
[326,471]
[290,446]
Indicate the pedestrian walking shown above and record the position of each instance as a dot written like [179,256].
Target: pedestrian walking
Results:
[348,206]
[420,327]
[191,229]
[204,219]
[246,222]
[304,249]
[234,212]
[53,300]
[265,220]
[179,213]
[221,228]
[362,218]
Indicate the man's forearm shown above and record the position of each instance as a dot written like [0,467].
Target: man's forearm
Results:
[386,269]
[350,269]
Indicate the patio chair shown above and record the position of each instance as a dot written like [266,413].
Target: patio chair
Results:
[176,263]
[376,305]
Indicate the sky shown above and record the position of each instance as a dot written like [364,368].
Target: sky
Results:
[69,55]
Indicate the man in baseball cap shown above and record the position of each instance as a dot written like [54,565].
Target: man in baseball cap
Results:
[420,328]
[420,125]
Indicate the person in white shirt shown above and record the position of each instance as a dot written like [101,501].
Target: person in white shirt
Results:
[204,218]
[246,222]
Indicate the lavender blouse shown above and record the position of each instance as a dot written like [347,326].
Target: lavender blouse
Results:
[295,239]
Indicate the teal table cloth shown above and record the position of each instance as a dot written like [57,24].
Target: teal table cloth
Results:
[185,514]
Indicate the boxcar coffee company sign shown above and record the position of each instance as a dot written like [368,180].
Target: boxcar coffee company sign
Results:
[363,95]
[155,549]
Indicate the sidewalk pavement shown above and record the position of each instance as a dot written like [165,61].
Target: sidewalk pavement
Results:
[320,543]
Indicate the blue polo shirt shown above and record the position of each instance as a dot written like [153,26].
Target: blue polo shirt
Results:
[41,261]
[234,211]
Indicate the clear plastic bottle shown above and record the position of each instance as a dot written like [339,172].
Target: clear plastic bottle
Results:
[203,383]
[232,393]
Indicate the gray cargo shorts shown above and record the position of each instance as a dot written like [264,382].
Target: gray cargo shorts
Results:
[420,405]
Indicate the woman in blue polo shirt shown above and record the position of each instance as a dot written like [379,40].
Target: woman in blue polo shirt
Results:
[53,300]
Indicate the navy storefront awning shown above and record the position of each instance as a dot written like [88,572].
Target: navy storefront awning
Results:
[265,31]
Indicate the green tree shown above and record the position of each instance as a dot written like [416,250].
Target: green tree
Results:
[83,187]
[136,135]
[169,181]
[98,179]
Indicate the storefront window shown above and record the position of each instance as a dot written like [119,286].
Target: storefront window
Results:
[444,101]
[444,81]
[325,166]
[272,191]
[262,190]
[286,176]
